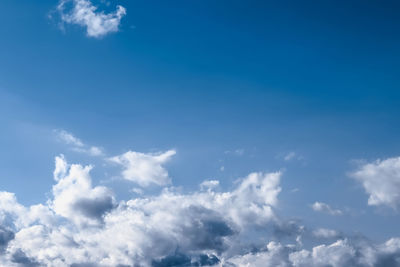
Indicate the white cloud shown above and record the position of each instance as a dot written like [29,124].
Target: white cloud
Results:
[145,169]
[82,225]
[209,184]
[76,144]
[325,233]
[275,254]
[74,196]
[68,138]
[381,181]
[342,252]
[85,14]
[323,207]
[289,156]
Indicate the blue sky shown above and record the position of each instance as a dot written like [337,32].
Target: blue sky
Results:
[309,89]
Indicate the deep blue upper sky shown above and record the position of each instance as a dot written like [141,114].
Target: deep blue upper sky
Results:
[319,78]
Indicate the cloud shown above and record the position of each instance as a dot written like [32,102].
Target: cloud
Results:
[74,196]
[325,233]
[145,169]
[209,184]
[82,224]
[85,14]
[323,207]
[76,144]
[343,252]
[6,235]
[381,181]
[289,156]
[20,258]
[68,138]
[288,229]
[236,152]
[180,259]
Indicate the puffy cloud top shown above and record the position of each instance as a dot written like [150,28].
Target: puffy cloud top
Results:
[74,196]
[145,169]
[381,180]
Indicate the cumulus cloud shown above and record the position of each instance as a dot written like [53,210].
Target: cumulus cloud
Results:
[85,14]
[343,252]
[145,169]
[323,207]
[6,235]
[83,225]
[74,196]
[381,181]
[76,144]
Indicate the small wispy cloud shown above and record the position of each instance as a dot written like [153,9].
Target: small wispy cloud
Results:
[76,144]
[236,152]
[325,233]
[294,190]
[85,14]
[68,138]
[323,207]
[209,184]
[290,156]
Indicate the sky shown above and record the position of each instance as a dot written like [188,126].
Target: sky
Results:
[199,133]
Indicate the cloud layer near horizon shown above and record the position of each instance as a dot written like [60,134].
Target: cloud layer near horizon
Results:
[84,225]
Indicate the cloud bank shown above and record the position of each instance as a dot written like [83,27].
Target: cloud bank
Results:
[82,224]
[85,14]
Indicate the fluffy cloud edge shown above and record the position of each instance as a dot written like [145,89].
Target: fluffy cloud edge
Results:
[83,13]
[145,169]
[381,181]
